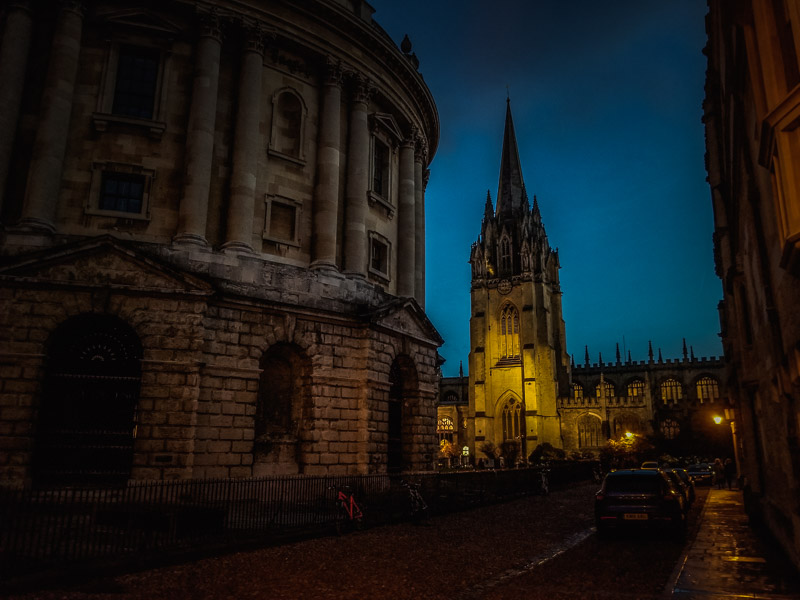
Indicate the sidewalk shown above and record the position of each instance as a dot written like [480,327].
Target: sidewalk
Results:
[727,558]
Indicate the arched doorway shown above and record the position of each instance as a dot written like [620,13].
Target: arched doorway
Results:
[87,418]
[402,399]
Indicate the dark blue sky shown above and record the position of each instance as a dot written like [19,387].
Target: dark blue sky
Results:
[607,106]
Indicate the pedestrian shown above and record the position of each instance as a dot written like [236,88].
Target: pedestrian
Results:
[719,472]
[730,472]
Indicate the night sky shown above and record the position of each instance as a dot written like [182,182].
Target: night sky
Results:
[607,106]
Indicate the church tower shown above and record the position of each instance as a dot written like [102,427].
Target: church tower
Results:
[518,361]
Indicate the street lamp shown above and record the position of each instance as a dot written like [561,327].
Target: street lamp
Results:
[628,434]
[717,419]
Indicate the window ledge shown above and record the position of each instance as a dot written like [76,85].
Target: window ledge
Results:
[375,198]
[280,242]
[97,212]
[380,276]
[155,129]
[287,157]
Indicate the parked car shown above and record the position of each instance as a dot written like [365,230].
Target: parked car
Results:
[681,485]
[639,498]
[687,479]
[650,464]
[700,473]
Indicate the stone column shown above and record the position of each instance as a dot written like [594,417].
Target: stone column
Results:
[326,192]
[406,221]
[355,249]
[200,135]
[246,146]
[50,144]
[419,220]
[15,44]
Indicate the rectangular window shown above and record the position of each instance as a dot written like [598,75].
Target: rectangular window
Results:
[380,169]
[137,78]
[122,192]
[379,257]
[281,220]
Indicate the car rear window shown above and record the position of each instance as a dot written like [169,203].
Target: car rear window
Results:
[635,484]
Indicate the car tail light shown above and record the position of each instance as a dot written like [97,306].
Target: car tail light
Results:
[599,497]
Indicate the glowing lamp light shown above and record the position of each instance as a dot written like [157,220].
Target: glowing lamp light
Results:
[628,434]
[717,419]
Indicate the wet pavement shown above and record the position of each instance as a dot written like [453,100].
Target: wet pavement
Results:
[728,559]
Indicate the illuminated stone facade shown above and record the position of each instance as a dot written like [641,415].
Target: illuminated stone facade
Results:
[752,107]
[518,358]
[213,242]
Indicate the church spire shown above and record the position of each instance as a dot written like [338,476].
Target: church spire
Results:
[510,188]
[488,210]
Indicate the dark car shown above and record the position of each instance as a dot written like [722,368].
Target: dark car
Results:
[700,473]
[639,498]
[682,485]
[687,479]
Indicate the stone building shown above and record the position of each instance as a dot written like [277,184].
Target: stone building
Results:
[518,355]
[673,402]
[753,159]
[212,242]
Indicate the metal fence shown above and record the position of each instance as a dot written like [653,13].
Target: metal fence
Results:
[50,530]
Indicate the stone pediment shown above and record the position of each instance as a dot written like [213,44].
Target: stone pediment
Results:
[405,316]
[101,262]
[142,19]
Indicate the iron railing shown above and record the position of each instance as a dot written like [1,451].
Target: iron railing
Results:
[52,530]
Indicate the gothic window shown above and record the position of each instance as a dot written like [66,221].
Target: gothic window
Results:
[670,429]
[604,389]
[577,392]
[378,256]
[136,82]
[513,425]
[509,332]
[636,389]
[505,255]
[281,220]
[626,424]
[707,389]
[445,428]
[120,190]
[380,168]
[450,398]
[288,120]
[671,391]
[589,431]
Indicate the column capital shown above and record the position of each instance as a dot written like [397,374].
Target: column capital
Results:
[426,175]
[361,88]
[421,150]
[333,73]
[77,7]
[255,37]
[20,5]
[209,24]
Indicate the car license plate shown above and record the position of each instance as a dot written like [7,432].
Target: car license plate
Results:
[635,516]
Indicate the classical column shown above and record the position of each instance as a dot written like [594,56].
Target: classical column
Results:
[419,220]
[50,144]
[15,45]
[246,145]
[406,221]
[326,192]
[193,214]
[355,249]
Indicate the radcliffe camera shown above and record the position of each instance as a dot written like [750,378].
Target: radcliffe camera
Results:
[347,299]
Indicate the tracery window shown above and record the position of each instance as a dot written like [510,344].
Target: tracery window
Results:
[604,389]
[512,420]
[445,428]
[509,332]
[671,391]
[577,392]
[670,429]
[707,389]
[589,431]
[636,389]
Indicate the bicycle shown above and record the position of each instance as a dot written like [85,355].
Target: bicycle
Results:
[347,509]
[419,508]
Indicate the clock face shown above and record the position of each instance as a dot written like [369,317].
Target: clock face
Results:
[504,286]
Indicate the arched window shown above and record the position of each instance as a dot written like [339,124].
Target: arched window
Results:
[670,429]
[287,125]
[445,428]
[512,420]
[509,332]
[627,424]
[505,255]
[671,391]
[577,392]
[604,390]
[636,389]
[589,431]
[707,389]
